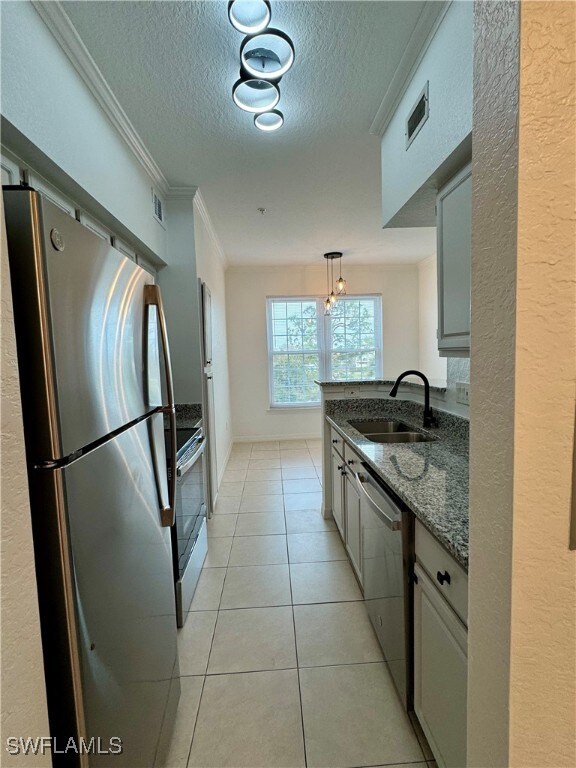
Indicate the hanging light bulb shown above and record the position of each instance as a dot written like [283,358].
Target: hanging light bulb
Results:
[341,286]
[327,307]
[332,297]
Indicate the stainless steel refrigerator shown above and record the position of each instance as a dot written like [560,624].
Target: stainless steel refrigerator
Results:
[94,370]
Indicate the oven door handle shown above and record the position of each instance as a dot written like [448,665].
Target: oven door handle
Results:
[394,525]
[192,460]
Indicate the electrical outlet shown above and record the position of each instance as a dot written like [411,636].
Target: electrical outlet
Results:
[463,392]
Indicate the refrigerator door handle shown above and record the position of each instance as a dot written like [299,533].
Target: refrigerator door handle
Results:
[153,297]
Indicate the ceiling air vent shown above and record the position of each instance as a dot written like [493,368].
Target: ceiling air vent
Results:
[417,116]
[158,209]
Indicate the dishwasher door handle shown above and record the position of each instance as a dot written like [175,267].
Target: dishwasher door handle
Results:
[394,525]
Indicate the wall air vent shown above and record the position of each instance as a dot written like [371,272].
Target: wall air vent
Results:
[158,208]
[417,117]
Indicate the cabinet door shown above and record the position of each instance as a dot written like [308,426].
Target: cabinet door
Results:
[353,528]
[454,232]
[337,505]
[440,673]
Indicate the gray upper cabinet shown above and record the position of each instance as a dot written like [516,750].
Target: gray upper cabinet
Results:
[454,231]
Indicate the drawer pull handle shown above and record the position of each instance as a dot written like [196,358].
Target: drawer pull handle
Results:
[350,461]
[334,440]
[443,577]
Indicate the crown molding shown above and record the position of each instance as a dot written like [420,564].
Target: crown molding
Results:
[56,19]
[200,206]
[181,193]
[428,22]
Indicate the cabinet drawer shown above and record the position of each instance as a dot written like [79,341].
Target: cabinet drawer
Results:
[434,559]
[336,441]
[351,458]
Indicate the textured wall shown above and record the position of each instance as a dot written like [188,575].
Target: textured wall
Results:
[493,279]
[543,644]
[23,707]
[522,588]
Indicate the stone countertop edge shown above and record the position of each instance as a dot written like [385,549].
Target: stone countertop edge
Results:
[431,478]
[364,382]
[188,415]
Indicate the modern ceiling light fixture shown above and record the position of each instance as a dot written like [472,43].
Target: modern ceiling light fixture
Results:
[249,16]
[267,55]
[254,95]
[269,121]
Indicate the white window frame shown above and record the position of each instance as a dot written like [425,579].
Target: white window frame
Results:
[269,302]
[325,350]
[326,364]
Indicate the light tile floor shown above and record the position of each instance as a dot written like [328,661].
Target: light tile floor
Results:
[280,667]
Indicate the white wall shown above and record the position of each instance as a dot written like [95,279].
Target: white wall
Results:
[447,66]
[23,708]
[45,98]
[430,361]
[179,286]
[246,291]
[211,268]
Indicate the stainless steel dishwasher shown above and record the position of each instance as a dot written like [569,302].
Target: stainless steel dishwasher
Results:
[387,551]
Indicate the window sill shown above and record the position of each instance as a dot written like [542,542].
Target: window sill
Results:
[290,408]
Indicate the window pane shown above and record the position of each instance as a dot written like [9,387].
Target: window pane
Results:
[353,366]
[353,333]
[293,378]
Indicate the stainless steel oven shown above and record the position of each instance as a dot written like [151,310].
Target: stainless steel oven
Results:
[189,537]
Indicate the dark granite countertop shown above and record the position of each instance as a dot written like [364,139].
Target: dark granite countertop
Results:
[383,382]
[431,478]
[188,415]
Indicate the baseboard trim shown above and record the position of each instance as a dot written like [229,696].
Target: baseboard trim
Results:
[222,468]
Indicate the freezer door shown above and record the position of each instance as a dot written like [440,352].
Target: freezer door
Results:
[122,567]
[82,344]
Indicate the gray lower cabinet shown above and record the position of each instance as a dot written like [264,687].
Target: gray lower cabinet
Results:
[337,480]
[454,245]
[440,673]
[353,523]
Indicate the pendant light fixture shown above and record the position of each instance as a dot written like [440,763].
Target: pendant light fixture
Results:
[267,55]
[327,303]
[249,16]
[341,283]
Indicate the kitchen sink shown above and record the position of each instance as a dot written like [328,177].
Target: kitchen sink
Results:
[399,437]
[380,427]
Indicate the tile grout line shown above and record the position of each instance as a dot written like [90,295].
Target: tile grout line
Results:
[296,653]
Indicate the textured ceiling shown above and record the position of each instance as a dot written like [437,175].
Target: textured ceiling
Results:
[172,65]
